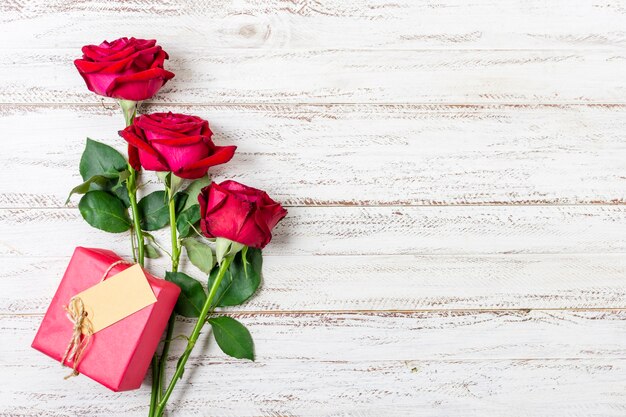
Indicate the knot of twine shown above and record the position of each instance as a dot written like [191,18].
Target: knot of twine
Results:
[82,327]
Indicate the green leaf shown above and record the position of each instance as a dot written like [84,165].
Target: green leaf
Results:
[151,241]
[194,189]
[186,219]
[232,337]
[190,211]
[102,181]
[151,251]
[104,211]
[181,199]
[102,168]
[100,159]
[123,176]
[122,193]
[192,295]
[199,254]
[154,211]
[241,280]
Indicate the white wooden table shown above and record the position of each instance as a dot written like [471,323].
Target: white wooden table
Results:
[455,174]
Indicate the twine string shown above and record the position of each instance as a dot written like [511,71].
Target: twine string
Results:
[113,265]
[82,327]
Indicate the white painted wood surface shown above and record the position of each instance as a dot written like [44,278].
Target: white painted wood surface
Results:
[455,174]
[357,154]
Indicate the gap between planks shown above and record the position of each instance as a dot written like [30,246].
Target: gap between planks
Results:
[295,313]
[430,105]
[529,203]
[467,155]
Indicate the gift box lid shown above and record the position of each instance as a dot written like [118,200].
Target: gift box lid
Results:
[119,355]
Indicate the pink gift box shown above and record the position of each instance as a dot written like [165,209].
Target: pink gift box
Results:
[117,356]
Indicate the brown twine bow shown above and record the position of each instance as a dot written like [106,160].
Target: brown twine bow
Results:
[83,329]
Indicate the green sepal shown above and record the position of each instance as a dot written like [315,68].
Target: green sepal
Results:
[199,254]
[170,180]
[226,247]
[129,108]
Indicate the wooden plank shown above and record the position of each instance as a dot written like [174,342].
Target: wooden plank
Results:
[361,155]
[353,337]
[362,231]
[208,75]
[345,283]
[487,24]
[375,230]
[415,364]
[506,205]
[422,388]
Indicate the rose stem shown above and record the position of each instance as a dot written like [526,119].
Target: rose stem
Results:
[132,192]
[206,308]
[132,244]
[131,184]
[129,108]
[175,259]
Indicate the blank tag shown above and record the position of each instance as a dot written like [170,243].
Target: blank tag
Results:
[117,297]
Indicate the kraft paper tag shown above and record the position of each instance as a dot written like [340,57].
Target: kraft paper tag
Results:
[117,297]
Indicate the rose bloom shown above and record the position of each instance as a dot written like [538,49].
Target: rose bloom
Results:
[176,143]
[240,213]
[128,69]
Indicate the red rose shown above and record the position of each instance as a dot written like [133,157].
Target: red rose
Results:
[128,69]
[174,142]
[240,213]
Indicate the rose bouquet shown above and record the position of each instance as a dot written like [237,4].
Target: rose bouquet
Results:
[222,227]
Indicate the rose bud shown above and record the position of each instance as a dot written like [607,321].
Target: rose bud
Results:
[128,69]
[176,143]
[240,213]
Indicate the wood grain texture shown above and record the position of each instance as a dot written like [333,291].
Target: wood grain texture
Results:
[448,388]
[363,231]
[405,364]
[357,155]
[207,75]
[344,283]
[335,24]
[335,336]
[454,173]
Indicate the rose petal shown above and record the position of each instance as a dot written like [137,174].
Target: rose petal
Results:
[132,136]
[148,157]
[198,169]
[179,157]
[228,220]
[168,125]
[133,158]
[139,86]
[151,162]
